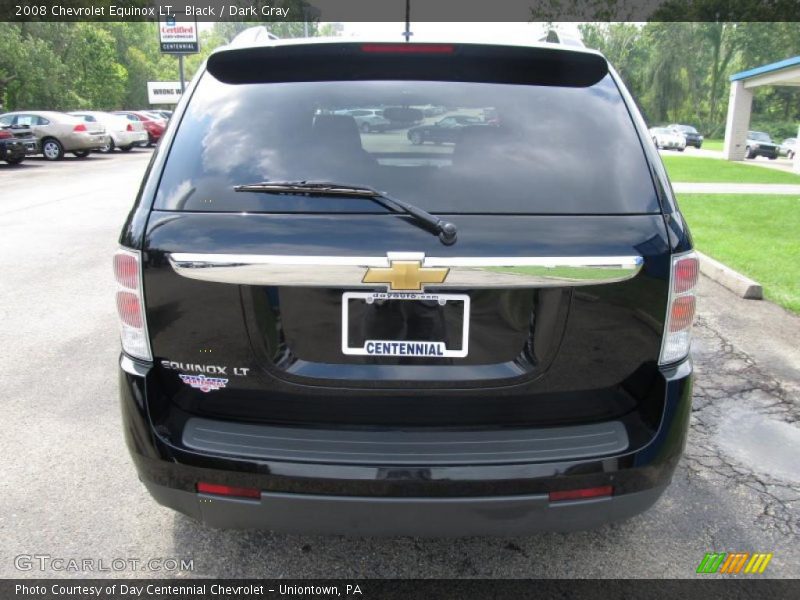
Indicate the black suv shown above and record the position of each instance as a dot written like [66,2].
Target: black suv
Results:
[325,331]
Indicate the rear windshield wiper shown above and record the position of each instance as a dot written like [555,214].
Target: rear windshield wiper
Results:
[446,230]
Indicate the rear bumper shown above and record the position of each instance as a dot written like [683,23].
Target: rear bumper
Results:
[86,141]
[423,517]
[12,150]
[435,495]
[130,138]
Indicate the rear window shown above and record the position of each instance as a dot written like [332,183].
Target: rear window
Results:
[449,147]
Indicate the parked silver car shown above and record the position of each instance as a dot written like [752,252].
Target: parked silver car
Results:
[123,134]
[367,119]
[760,144]
[58,132]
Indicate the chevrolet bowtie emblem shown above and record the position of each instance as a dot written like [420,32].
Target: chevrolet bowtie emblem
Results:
[406,275]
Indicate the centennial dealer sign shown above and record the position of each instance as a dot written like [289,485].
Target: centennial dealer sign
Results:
[163,92]
[178,37]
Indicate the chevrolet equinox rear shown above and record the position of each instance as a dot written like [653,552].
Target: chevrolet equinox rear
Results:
[332,330]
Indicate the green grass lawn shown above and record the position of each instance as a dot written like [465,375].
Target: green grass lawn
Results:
[713,145]
[757,235]
[713,170]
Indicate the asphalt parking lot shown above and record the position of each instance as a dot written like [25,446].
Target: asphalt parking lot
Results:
[69,488]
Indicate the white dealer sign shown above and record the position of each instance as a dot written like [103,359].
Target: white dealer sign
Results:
[178,37]
[163,92]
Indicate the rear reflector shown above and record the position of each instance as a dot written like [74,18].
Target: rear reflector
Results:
[226,490]
[681,308]
[130,304]
[595,492]
[408,48]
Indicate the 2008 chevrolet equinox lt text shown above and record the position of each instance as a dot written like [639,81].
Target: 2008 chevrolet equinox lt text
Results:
[337,331]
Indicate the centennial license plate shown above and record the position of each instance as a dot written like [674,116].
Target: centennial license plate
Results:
[414,325]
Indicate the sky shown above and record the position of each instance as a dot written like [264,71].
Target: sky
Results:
[452,32]
[515,32]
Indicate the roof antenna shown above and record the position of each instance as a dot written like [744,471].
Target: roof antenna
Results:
[407,33]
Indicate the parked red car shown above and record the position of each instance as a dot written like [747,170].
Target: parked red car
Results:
[155,127]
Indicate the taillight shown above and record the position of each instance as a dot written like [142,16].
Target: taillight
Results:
[681,308]
[130,304]
[129,127]
[78,128]
[5,134]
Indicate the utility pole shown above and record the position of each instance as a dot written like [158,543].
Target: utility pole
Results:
[180,69]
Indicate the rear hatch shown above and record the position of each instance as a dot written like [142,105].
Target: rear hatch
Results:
[318,309]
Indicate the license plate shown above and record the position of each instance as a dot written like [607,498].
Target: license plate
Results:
[414,325]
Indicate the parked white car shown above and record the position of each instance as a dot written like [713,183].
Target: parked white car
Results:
[787,147]
[123,134]
[668,139]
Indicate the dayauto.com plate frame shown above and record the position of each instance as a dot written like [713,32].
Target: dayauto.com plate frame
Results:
[366,296]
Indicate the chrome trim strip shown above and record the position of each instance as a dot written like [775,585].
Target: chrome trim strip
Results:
[132,367]
[348,271]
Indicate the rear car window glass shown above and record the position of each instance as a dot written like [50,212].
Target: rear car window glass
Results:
[449,147]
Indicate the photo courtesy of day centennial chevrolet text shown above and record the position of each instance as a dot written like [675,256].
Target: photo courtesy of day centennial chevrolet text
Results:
[460,322]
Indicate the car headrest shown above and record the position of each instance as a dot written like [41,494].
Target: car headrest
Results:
[477,142]
[340,131]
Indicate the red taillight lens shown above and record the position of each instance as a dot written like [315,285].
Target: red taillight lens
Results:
[681,309]
[685,274]
[129,309]
[78,128]
[682,313]
[4,135]
[126,270]
[408,48]
[595,492]
[227,490]
[130,304]
[129,127]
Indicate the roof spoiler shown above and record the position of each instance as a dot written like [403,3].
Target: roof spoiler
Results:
[355,61]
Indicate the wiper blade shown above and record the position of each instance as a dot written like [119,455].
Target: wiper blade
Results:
[446,230]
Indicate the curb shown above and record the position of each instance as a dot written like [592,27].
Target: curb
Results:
[742,286]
